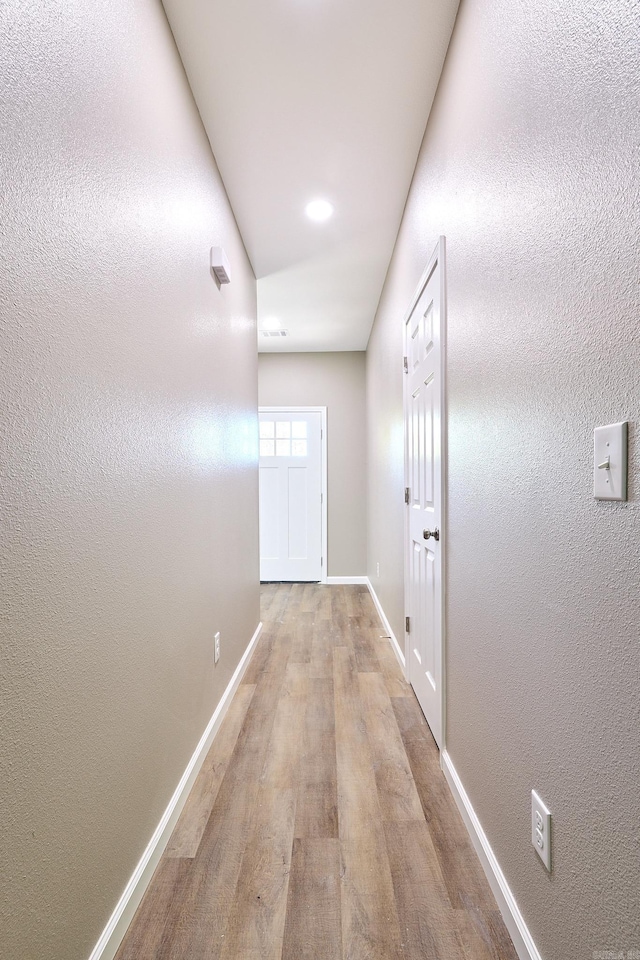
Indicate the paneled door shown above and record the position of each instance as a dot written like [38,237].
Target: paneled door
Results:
[424,328]
[291,493]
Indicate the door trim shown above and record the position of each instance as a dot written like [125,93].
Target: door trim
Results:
[323,470]
[437,259]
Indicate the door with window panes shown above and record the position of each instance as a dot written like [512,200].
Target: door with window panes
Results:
[290,494]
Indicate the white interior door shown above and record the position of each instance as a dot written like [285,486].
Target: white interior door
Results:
[423,451]
[291,474]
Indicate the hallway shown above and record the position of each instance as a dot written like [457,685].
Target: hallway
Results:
[320,825]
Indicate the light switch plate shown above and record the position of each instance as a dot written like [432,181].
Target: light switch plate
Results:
[610,462]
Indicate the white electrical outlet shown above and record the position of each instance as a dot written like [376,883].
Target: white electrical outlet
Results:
[541,829]
[216,647]
[377,569]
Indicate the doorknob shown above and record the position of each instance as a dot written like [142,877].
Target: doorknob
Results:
[427,534]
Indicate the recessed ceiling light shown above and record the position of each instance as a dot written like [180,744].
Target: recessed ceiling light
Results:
[319,210]
[270,323]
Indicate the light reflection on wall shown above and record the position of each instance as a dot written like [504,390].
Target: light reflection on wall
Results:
[223,442]
[208,324]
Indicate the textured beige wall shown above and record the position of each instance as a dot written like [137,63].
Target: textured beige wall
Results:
[530,168]
[128,497]
[336,381]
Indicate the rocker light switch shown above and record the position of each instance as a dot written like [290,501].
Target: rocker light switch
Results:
[610,462]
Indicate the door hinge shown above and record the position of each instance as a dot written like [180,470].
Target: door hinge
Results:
[407,494]
[322,561]
[406,365]
[407,624]
[322,498]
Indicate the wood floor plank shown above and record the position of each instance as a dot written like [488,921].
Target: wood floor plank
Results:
[320,668]
[320,717]
[358,803]
[317,804]
[384,651]
[484,936]
[257,918]
[460,866]
[334,633]
[413,859]
[364,647]
[303,636]
[317,810]
[358,806]
[146,933]
[274,605]
[350,602]
[369,607]
[394,680]
[370,926]
[271,657]
[261,655]
[380,720]
[339,617]
[282,760]
[318,764]
[321,660]
[428,921]
[324,602]
[294,601]
[397,687]
[320,825]
[426,925]
[208,896]
[352,744]
[310,599]
[461,870]
[411,722]
[295,680]
[397,792]
[364,865]
[313,926]
[193,819]
[368,933]
[443,819]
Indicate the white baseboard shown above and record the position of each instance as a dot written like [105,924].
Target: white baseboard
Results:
[335,580]
[113,933]
[518,930]
[387,626]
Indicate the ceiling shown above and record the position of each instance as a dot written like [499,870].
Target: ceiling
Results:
[306,99]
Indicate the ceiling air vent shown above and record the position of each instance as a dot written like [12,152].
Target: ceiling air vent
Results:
[274,333]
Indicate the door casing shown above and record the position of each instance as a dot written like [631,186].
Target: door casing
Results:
[296,408]
[436,260]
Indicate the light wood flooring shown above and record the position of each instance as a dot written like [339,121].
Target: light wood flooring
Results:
[320,826]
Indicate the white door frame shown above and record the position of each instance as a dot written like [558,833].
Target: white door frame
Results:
[437,259]
[324,515]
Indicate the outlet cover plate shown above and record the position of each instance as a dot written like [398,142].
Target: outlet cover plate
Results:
[541,829]
[216,648]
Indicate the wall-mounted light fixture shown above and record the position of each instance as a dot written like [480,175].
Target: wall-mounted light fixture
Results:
[220,265]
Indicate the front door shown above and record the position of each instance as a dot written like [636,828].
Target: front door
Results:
[423,452]
[290,494]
